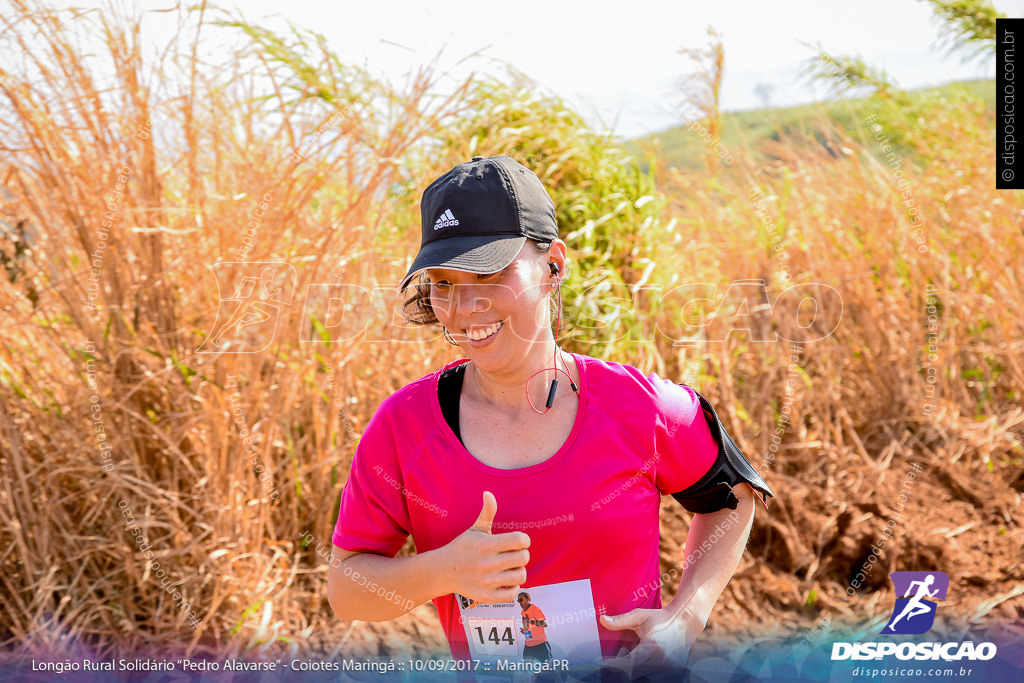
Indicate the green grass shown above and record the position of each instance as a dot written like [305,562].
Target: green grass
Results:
[749,130]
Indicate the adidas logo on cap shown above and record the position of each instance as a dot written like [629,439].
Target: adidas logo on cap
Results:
[446,219]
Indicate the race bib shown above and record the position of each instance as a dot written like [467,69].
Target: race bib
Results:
[496,631]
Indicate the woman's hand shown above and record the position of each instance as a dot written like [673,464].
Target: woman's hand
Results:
[666,635]
[665,639]
[483,566]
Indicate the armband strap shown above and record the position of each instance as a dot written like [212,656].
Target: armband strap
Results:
[713,491]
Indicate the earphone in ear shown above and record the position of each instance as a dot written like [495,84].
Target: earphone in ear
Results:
[554,268]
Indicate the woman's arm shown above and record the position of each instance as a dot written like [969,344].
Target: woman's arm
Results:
[715,541]
[714,545]
[355,580]
[478,564]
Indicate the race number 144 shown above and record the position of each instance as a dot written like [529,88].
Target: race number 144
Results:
[494,636]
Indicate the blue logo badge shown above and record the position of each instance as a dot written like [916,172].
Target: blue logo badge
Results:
[914,612]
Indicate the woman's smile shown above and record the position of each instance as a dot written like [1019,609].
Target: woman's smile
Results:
[479,334]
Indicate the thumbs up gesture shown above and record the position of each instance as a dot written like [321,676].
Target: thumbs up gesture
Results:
[484,566]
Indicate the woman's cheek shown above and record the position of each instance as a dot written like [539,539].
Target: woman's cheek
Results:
[439,303]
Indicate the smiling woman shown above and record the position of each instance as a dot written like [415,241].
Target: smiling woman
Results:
[522,435]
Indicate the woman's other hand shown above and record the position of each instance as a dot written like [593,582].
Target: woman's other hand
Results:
[665,639]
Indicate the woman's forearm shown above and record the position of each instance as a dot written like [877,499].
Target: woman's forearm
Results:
[477,563]
[368,587]
[714,545]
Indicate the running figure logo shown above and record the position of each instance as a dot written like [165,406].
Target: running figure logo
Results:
[247,319]
[914,612]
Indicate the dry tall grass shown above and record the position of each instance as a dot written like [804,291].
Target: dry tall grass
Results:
[925,366]
[323,150]
[343,158]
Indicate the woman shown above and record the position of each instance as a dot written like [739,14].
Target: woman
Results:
[529,467]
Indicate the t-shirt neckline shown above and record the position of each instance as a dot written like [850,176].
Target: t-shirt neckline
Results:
[456,445]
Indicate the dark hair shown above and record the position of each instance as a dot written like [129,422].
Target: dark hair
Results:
[417,309]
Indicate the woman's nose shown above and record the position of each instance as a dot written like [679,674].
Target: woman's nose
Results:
[471,299]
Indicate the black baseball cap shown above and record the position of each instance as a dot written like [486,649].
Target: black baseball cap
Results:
[477,216]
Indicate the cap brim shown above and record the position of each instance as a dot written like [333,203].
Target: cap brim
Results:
[470,253]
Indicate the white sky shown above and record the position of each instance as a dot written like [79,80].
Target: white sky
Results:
[619,63]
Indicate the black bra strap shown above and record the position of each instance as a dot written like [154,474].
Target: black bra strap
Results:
[449,389]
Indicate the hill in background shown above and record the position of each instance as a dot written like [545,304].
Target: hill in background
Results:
[682,147]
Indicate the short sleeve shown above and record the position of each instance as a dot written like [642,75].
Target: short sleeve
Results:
[685,446]
[373,516]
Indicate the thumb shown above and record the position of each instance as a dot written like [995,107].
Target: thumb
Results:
[629,621]
[486,518]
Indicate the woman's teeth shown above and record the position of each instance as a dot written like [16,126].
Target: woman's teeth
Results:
[483,332]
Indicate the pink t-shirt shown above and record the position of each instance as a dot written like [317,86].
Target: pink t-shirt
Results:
[591,510]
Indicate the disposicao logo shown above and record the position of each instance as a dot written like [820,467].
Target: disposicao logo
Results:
[913,614]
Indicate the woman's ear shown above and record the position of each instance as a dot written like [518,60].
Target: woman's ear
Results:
[557,255]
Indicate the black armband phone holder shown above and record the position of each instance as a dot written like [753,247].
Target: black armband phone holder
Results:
[713,491]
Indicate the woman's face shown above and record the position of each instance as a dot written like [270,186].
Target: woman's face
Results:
[497,319]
